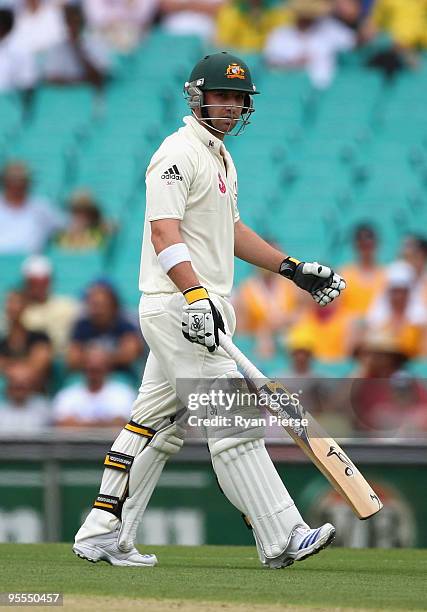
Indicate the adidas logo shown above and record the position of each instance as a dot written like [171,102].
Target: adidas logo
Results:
[172,174]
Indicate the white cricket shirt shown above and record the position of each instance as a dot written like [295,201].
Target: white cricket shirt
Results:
[187,179]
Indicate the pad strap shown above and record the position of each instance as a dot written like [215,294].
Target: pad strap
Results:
[142,430]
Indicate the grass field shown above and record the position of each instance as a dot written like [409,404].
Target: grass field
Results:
[216,578]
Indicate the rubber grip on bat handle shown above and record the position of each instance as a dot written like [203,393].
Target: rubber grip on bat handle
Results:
[242,361]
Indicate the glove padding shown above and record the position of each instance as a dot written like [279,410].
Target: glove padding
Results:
[201,321]
[320,281]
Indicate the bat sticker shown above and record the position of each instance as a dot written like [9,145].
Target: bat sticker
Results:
[350,469]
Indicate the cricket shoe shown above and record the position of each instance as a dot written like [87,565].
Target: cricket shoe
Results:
[104,548]
[304,542]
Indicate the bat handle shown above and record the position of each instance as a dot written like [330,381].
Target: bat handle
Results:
[248,368]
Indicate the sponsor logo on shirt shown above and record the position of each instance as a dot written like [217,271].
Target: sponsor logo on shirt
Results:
[221,185]
[172,174]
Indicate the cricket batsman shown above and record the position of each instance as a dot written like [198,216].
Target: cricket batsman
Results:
[192,233]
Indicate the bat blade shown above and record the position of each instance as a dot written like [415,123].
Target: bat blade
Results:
[324,452]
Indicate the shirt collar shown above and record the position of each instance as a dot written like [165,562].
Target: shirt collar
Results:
[213,143]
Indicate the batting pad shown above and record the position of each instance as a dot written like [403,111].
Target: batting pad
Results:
[144,475]
[250,481]
[102,519]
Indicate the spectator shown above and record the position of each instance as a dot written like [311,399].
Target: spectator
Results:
[414,251]
[395,313]
[27,222]
[265,304]
[22,410]
[86,228]
[30,347]
[385,398]
[405,22]
[105,324]
[17,67]
[365,278]
[82,57]
[183,17]
[245,24]
[52,314]
[313,42]
[120,22]
[96,402]
[405,26]
[332,330]
[39,26]
[300,347]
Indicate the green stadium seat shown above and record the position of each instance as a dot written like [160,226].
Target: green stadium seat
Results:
[10,273]
[74,270]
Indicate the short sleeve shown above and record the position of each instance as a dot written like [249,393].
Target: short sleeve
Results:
[168,180]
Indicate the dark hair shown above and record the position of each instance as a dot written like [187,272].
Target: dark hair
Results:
[105,284]
[364,230]
[6,21]
[420,242]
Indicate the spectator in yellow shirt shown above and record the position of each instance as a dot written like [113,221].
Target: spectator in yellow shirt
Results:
[265,304]
[331,329]
[245,24]
[365,278]
[404,20]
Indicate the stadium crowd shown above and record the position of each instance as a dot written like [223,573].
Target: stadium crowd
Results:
[71,362]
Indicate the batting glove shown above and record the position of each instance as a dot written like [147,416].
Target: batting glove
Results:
[320,281]
[201,320]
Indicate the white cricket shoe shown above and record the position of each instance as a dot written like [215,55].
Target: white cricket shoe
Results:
[105,548]
[304,542]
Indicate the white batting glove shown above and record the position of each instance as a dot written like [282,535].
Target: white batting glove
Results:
[201,320]
[320,281]
[325,296]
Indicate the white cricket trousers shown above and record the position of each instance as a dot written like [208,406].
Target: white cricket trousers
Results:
[173,357]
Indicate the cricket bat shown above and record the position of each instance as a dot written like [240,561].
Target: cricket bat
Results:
[323,451]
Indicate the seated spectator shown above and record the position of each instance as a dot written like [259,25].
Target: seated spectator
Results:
[17,66]
[39,25]
[313,42]
[414,251]
[105,324]
[20,344]
[86,228]
[332,330]
[184,17]
[265,304]
[82,57]
[96,402]
[245,24]
[23,410]
[120,22]
[385,399]
[365,278]
[300,347]
[405,22]
[395,313]
[405,26]
[27,222]
[46,312]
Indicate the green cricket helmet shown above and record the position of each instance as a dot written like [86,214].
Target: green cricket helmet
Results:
[218,72]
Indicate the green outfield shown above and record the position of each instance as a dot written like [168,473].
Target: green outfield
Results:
[225,576]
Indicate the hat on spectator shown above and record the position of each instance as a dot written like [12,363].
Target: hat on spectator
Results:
[310,8]
[300,340]
[400,275]
[37,266]
[383,342]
